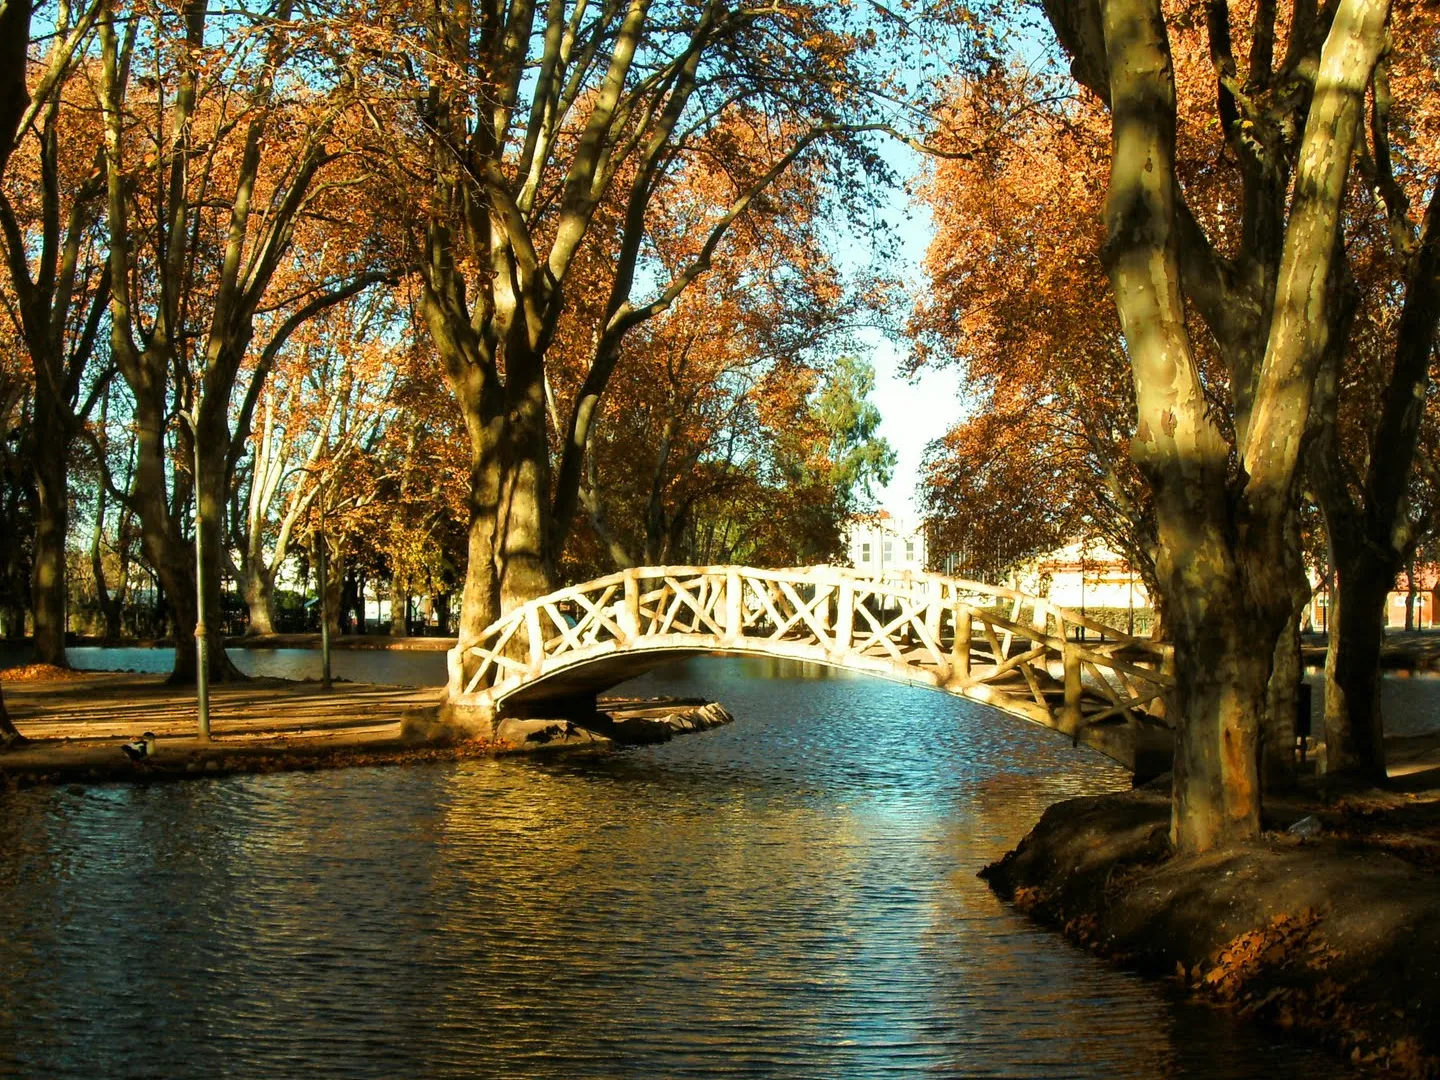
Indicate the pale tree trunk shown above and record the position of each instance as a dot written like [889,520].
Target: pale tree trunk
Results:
[1224,570]
[1277,729]
[399,607]
[1277,736]
[525,567]
[111,604]
[1221,676]
[257,588]
[334,585]
[473,381]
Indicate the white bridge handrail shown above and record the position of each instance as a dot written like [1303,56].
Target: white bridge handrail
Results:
[999,645]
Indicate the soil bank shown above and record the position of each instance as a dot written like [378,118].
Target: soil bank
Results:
[1334,937]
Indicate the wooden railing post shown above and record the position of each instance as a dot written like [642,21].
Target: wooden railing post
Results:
[734,605]
[844,615]
[630,611]
[1070,717]
[960,647]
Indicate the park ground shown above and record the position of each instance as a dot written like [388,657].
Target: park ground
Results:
[76,723]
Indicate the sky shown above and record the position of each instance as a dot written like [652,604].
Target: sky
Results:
[914,411]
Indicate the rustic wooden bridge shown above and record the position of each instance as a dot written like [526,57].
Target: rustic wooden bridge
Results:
[1003,648]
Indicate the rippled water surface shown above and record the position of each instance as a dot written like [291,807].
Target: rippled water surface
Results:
[794,894]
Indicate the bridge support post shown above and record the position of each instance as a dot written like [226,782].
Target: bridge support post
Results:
[844,615]
[1070,716]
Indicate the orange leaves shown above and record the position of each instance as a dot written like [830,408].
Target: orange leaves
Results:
[1019,298]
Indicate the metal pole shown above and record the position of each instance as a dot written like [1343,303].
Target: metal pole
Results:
[323,573]
[202,645]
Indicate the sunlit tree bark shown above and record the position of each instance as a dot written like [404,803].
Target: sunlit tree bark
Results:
[1227,553]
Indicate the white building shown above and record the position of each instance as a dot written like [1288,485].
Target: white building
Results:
[1085,574]
[881,542]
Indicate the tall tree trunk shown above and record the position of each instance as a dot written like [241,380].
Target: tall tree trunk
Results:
[257,588]
[353,597]
[48,585]
[1277,729]
[1221,675]
[1277,737]
[334,587]
[173,556]
[525,566]
[111,604]
[1354,734]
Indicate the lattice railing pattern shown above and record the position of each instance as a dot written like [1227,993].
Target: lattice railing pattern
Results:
[987,642]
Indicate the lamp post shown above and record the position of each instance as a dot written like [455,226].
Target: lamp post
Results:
[202,634]
[322,574]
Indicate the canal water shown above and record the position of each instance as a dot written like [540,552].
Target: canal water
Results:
[791,895]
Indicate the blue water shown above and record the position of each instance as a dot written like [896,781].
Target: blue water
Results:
[791,895]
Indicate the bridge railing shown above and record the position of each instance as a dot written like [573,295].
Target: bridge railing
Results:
[990,642]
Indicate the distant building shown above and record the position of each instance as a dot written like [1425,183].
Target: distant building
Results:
[880,541]
[1085,574]
[1427,611]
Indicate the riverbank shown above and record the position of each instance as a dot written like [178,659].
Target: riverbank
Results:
[76,724]
[1331,932]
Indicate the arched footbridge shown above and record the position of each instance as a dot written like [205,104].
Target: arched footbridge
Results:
[1003,648]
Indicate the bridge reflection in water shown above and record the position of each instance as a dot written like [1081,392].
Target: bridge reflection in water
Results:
[1004,648]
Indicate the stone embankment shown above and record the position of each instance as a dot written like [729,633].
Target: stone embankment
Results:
[76,725]
[1328,928]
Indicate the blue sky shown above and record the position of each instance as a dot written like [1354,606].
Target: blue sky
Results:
[914,411]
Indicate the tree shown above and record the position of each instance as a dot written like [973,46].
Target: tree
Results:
[530,124]
[1376,385]
[236,162]
[58,291]
[1228,544]
[325,405]
[12,393]
[1042,454]
[678,427]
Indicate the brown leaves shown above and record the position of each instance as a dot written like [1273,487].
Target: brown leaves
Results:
[1273,946]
